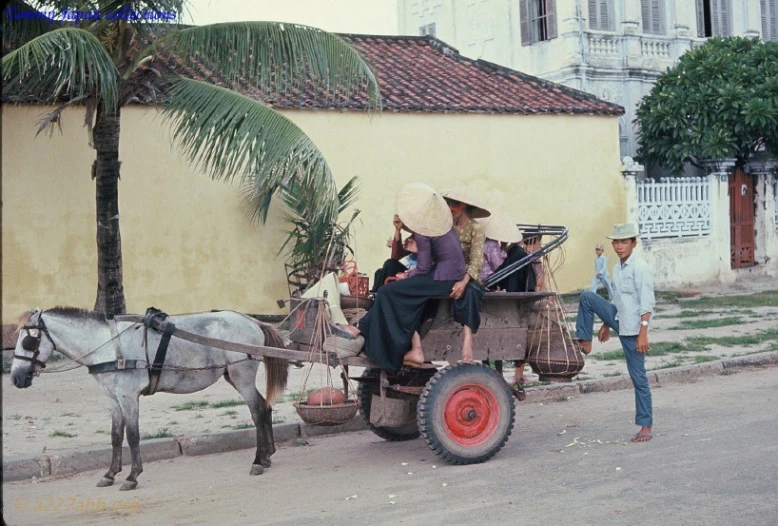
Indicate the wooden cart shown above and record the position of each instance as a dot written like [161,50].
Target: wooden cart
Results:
[464,411]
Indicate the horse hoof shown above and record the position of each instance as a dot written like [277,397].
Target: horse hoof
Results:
[265,463]
[129,485]
[105,482]
[257,469]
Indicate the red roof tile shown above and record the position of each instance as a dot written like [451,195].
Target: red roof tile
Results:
[426,75]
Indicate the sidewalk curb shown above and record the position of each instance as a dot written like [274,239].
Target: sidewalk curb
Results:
[23,467]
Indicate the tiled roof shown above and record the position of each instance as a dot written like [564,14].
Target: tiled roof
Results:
[423,74]
[420,74]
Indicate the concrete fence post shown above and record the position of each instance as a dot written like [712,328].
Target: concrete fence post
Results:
[631,170]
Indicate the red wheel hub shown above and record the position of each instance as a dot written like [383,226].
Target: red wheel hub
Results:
[471,414]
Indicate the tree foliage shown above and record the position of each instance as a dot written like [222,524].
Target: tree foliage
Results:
[721,100]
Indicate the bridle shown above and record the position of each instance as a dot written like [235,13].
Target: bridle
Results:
[32,342]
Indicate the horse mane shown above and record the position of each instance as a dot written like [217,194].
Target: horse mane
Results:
[22,321]
[75,312]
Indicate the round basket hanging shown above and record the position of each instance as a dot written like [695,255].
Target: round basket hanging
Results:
[327,415]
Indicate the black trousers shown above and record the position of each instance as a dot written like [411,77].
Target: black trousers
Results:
[391,268]
[467,309]
[395,315]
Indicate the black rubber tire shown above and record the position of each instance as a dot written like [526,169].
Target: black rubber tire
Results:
[365,393]
[432,408]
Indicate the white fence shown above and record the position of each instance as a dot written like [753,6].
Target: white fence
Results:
[674,207]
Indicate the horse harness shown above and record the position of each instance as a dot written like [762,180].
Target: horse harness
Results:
[152,320]
[31,343]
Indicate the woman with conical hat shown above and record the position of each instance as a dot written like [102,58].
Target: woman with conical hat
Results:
[465,207]
[501,233]
[391,325]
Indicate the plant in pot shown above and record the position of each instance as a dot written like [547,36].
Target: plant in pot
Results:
[316,243]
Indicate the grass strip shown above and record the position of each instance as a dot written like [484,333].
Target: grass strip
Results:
[708,324]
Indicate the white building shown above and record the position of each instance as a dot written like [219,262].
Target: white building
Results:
[614,49]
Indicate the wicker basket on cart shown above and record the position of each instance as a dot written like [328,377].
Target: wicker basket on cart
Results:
[327,415]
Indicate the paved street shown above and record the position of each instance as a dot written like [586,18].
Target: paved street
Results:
[713,460]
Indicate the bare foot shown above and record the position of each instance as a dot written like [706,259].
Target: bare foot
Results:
[414,356]
[644,435]
[585,345]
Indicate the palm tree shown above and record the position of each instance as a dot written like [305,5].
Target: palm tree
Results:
[107,61]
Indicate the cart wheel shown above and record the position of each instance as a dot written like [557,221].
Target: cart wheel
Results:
[365,393]
[465,413]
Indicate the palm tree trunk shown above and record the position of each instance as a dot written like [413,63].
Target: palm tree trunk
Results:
[105,172]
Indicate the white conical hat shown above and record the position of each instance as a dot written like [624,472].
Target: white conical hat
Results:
[500,227]
[423,210]
[465,194]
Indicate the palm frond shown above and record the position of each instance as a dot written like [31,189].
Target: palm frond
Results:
[277,58]
[64,63]
[23,21]
[227,134]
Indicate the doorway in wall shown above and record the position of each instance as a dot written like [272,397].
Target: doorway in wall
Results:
[741,219]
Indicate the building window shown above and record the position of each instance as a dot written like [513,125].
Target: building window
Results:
[653,12]
[714,18]
[601,15]
[538,20]
[428,29]
[769,17]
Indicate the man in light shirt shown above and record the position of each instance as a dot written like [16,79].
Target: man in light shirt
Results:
[629,315]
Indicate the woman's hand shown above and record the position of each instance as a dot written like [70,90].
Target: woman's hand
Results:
[459,287]
[410,245]
[397,222]
[605,333]
[401,275]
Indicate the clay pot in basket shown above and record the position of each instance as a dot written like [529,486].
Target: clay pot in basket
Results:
[326,396]
[553,357]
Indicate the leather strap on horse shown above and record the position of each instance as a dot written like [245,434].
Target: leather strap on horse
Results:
[120,364]
[116,365]
[154,317]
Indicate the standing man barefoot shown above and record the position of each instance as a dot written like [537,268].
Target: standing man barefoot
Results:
[629,315]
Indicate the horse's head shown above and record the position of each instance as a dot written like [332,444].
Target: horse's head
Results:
[33,348]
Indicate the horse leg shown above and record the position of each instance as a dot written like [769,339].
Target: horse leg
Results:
[117,437]
[130,407]
[242,379]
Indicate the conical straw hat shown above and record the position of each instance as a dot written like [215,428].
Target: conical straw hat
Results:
[500,227]
[465,194]
[423,210]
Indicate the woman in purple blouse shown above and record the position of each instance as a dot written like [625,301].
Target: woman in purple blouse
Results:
[391,325]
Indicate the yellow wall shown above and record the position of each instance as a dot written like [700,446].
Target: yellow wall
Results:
[187,246]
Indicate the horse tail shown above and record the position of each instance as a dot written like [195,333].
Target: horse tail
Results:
[276,369]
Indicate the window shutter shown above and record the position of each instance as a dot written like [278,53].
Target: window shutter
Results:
[551,18]
[526,38]
[725,18]
[645,9]
[715,18]
[772,22]
[656,19]
[605,16]
[700,18]
[765,16]
[594,19]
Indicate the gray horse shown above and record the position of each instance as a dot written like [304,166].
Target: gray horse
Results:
[89,339]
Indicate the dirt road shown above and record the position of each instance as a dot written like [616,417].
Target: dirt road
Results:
[713,461]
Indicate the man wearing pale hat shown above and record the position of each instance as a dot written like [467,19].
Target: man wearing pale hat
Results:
[629,315]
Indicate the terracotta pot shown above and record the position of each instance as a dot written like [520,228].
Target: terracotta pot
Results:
[553,357]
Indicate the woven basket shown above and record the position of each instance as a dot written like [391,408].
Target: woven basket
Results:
[327,415]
